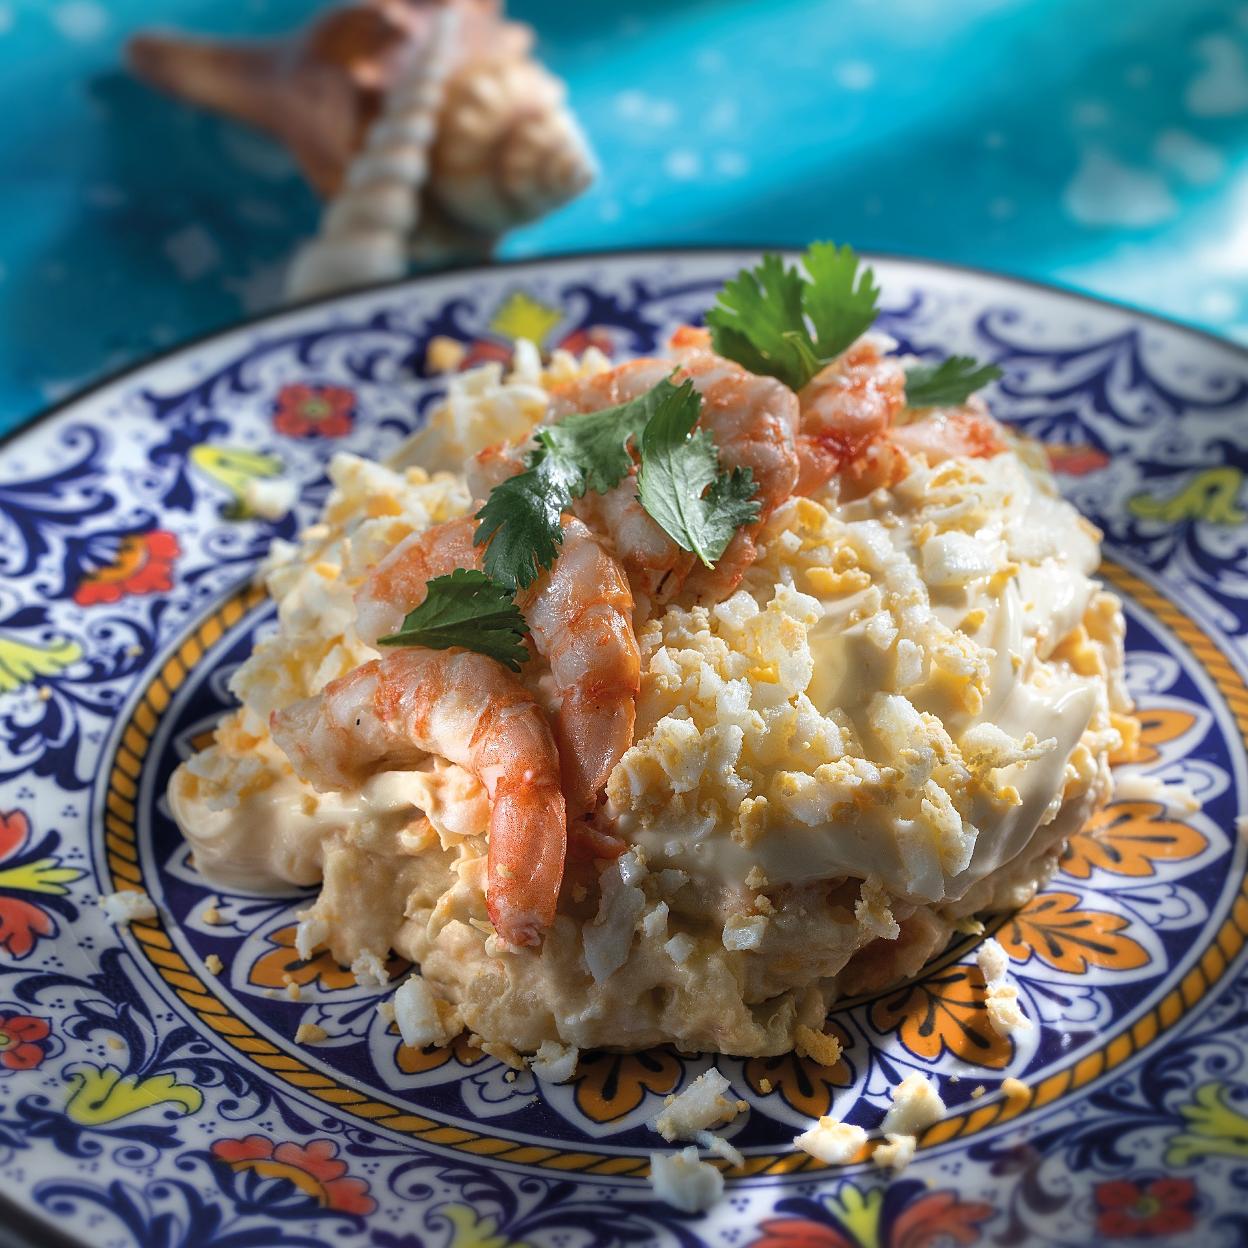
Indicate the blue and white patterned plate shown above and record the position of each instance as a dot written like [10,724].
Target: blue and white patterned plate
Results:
[144,1099]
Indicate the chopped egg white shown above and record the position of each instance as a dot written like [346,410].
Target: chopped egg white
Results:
[700,1106]
[896,1152]
[554,1063]
[916,1105]
[127,905]
[832,1141]
[423,1018]
[1000,995]
[270,498]
[684,1181]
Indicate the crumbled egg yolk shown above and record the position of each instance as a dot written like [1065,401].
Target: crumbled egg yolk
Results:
[796,702]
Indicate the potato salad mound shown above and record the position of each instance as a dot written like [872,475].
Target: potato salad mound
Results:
[675,701]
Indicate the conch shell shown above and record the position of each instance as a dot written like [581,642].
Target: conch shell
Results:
[507,150]
[427,124]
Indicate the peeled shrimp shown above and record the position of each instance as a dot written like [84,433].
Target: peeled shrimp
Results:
[753,421]
[850,413]
[847,410]
[391,712]
[397,584]
[580,615]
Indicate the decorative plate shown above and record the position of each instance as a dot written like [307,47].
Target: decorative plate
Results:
[144,1099]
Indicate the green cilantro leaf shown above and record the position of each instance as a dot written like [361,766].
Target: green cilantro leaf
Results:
[949,383]
[598,441]
[841,299]
[764,315]
[584,451]
[466,609]
[677,466]
[520,519]
[758,322]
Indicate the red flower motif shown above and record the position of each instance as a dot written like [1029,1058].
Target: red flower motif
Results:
[1163,1206]
[314,1169]
[799,1233]
[20,1036]
[22,870]
[22,925]
[143,565]
[303,411]
[906,1216]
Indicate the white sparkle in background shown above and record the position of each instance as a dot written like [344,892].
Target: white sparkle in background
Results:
[994,140]
[1090,113]
[1192,159]
[1218,304]
[682,164]
[1106,191]
[193,251]
[1138,76]
[7,18]
[80,20]
[731,164]
[722,115]
[855,75]
[1221,88]
[646,110]
[260,288]
[105,195]
[710,60]
[1002,208]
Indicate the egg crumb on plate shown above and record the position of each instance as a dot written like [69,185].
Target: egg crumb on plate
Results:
[128,905]
[684,1181]
[832,1141]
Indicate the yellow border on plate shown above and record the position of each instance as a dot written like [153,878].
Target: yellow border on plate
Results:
[123,862]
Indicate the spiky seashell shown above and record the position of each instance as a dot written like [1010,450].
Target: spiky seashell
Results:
[365,230]
[507,148]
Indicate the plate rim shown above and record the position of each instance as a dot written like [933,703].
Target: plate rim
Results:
[468,269]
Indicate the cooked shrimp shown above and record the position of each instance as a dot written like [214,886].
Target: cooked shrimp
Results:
[754,423]
[397,584]
[391,712]
[947,432]
[580,614]
[850,425]
[847,409]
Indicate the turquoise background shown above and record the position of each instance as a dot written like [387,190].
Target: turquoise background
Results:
[1098,143]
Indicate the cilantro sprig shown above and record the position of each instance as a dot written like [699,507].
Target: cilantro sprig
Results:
[680,483]
[765,316]
[949,383]
[584,451]
[790,323]
[469,609]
